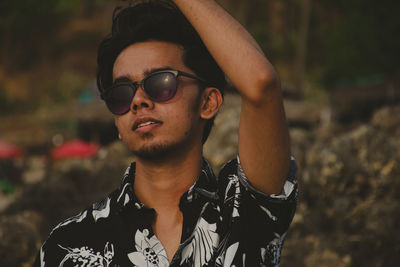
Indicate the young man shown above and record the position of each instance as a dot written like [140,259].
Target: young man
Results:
[159,80]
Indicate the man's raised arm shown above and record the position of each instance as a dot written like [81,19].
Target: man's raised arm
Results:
[264,147]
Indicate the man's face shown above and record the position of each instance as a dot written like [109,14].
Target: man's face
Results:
[176,124]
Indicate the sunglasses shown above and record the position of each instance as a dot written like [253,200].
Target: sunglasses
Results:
[160,86]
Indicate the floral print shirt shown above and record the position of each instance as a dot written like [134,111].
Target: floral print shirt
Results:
[226,222]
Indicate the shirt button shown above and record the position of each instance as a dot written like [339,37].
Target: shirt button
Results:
[138,206]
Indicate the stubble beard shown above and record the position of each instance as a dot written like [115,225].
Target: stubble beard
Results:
[167,149]
[159,151]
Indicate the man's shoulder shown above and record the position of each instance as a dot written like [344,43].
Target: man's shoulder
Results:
[99,214]
[232,176]
[100,217]
[87,233]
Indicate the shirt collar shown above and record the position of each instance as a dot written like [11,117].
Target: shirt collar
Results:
[205,188]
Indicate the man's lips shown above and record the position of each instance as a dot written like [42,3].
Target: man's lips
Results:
[145,122]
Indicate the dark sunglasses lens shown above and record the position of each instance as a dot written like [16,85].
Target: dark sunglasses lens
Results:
[119,99]
[161,87]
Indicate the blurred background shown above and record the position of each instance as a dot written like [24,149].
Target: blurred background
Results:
[340,72]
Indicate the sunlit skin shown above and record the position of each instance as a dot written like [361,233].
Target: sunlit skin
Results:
[169,151]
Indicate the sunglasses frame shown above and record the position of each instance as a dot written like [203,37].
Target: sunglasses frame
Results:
[135,85]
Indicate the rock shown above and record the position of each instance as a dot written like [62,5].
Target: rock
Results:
[11,170]
[387,117]
[19,238]
[306,115]
[349,198]
[35,169]
[221,145]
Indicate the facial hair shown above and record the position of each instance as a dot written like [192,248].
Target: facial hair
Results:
[168,149]
[160,151]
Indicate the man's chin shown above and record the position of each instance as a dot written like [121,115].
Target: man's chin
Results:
[155,152]
[149,150]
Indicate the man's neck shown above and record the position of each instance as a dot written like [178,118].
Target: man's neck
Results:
[160,184]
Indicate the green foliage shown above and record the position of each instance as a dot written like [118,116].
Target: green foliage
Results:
[6,186]
[360,42]
[62,89]
[29,29]
[5,103]
[68,5]
[350,41]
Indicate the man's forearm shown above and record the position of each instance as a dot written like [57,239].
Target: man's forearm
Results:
[234,49]
[263,144]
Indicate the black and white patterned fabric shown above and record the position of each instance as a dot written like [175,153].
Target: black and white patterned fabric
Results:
[226,222]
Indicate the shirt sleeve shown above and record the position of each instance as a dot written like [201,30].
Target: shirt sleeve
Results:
[288,188]
[278,210]
[261,214]
[51,253]
[57,249]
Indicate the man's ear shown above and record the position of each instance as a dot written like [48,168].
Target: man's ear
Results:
[211,102]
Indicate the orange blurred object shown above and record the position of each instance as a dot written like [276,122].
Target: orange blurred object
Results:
[9,151]
[75,149]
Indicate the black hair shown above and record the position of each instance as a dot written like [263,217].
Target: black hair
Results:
[159,21]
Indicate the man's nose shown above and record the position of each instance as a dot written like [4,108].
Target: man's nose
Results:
[141,100]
